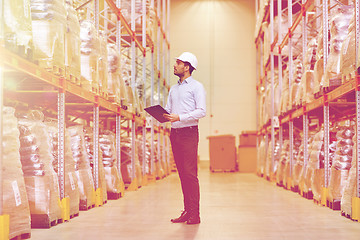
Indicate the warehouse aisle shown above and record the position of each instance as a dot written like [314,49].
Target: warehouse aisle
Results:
[233,206]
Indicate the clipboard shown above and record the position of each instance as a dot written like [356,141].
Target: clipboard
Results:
[157,112]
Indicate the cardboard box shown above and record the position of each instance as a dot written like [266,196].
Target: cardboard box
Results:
[247,159]
[248,138]
[222,153]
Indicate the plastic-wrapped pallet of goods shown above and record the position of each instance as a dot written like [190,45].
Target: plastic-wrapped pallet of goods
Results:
[269,173]
[17,27]
[347,57]
[90,50]
[82,168]
[261,157]
[126,167]
[15,201]
[280,171]
[114,184]
[288,179]
[339,26]
[71,184]
[113,85]
[40,177]
[315,156]
[315,171]
[103,65]
[89,145]
[296,83]
[350,185]
[342,163]
[48,26]
[72,44]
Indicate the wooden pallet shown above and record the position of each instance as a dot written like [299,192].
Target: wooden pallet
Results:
[42,221]
[84,207]
[73,79]
[317,201]
[57,70]
[74,215]
[295,189]
[22,236]
[346,77]
[113,196]
[20,50]
[334,205]
[345,215]
[308,195]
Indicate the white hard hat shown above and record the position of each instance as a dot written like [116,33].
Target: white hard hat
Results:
[188,57]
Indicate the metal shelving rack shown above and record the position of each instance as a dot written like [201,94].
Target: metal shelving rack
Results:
[324,102]
[69,98]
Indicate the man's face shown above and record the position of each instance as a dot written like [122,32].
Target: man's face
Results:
[179,68]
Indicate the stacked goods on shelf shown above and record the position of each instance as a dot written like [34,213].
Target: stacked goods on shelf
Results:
[126,12]
[342,162]
[144,160]
[269,173]
[315,156]
[347,57]
[71,184]
[126,166]
[314,175]
[82,167]
[72,44]
[350,184]
[116,85]
[17,26]
[288,177]
[48,27]
[339,26]
[296,83]
[40,177]
[15,201]
[285,91]
[280,171]
[103,64]
[298,165]
[319,64]
[89,145]
[298,169]
[263,4]
[114,183]
[125,73]
[306,93]
[158,161]
[90,50]
[261,157]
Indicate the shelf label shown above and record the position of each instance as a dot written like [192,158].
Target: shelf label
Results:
[276,122]
[17,195]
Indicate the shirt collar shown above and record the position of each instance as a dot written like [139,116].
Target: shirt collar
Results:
[187,80]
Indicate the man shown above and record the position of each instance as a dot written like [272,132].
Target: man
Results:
[186,104]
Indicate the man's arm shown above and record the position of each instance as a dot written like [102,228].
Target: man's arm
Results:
[200,109]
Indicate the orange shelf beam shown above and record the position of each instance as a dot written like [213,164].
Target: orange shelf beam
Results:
[117,11]
[297,21]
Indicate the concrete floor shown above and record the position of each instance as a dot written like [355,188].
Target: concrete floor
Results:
[233,206]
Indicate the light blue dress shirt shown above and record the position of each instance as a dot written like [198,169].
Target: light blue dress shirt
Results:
[188,100]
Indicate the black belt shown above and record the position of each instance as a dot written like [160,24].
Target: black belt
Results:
[184,129]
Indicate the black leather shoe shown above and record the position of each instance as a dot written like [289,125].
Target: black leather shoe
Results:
[183,218]
[193,220]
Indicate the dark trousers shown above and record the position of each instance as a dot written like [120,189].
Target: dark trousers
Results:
[184,143]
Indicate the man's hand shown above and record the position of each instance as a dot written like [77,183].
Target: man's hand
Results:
[172,117]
